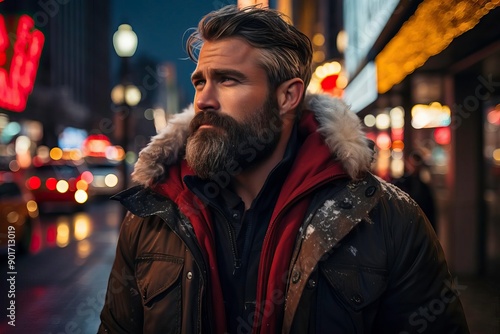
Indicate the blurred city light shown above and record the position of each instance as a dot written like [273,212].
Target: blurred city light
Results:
[129,94]
[369,120]
[419,39]
[382,121]
[442,136]
[318,39]
[342,41]
[496,156]
[62,186]
[493,115]
[56,153]
[111,180]
[81,196]
[82,227]
[132,95]
[84,248]
[328,78]
[62,234]
[17,84]
[430,116]
[125,41]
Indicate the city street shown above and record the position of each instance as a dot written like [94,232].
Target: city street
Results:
[61,288]
[409,91]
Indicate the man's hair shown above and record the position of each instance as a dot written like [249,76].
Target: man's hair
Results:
[287,52]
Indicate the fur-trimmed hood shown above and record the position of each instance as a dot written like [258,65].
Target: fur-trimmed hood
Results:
[339,126]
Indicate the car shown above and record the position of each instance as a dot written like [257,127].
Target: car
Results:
[59,185]
[18,215]
[106,179]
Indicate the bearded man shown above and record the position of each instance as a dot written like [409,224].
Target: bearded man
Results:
[255,210]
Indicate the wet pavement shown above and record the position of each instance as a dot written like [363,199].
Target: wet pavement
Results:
[61,288]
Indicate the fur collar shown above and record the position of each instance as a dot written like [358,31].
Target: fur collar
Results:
[340,127]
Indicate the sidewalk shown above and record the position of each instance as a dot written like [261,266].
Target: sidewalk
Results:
[481,302]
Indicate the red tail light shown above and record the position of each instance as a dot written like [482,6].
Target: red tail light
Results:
[33,183]
[51,183]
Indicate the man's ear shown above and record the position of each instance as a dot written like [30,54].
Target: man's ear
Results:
[289,95]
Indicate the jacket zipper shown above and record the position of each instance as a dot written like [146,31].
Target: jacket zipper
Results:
[232,240]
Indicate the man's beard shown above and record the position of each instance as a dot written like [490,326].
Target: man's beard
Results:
[230,147]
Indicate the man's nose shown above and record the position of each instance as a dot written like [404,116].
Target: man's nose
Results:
[207,98]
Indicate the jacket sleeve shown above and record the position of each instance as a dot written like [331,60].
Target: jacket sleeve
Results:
[422,296]
[122,311]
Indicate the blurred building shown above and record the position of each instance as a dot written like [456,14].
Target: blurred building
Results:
[433,70]
[72,84]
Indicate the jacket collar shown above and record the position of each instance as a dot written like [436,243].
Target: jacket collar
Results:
[339,126]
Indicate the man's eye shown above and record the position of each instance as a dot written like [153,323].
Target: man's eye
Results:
[228,80]
[198,83]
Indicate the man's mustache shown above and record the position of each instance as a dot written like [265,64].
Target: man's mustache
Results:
[213,118]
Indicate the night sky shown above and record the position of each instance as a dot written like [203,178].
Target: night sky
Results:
[160,27]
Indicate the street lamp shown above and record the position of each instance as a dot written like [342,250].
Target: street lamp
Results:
[125,94]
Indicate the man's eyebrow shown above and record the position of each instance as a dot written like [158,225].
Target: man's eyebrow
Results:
[217,73]
[228,73]
[196,76]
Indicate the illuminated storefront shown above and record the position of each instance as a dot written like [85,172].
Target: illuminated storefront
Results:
[18,62]
[436,63]
[20,50]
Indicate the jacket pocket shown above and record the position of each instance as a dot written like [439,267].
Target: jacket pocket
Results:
[357,287]
[158,274]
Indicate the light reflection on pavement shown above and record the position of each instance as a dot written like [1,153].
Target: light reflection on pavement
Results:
[60,287]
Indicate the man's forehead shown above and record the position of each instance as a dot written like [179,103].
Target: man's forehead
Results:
[227,51]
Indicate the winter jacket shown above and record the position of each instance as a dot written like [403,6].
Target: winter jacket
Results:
[364,258]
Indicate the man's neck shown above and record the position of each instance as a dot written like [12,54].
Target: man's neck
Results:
[249,183]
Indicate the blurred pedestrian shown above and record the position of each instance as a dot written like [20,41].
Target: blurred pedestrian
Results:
[256,211]
[412,183]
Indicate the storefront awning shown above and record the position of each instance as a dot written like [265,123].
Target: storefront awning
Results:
[426,33]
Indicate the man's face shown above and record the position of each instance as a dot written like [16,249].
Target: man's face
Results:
[237,123]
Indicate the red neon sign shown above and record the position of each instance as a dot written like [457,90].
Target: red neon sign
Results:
[16,82]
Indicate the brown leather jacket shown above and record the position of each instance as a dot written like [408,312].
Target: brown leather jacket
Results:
[365,260]
[368,257]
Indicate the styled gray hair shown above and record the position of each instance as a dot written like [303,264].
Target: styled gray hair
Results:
[287,52]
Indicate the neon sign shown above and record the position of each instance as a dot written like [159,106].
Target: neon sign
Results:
[17,80]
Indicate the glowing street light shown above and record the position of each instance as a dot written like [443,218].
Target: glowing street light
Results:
[125,41]
[125,94]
